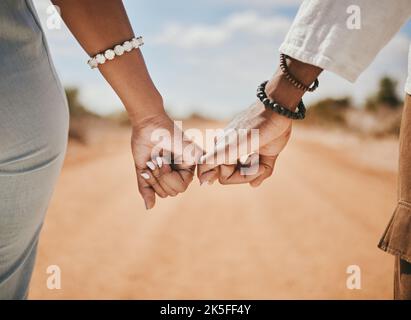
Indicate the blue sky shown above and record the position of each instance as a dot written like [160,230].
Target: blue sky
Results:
[208,56]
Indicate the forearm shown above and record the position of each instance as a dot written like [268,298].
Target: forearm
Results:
[283,92]
[98,26]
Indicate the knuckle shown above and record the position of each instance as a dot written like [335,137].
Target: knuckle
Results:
[224,176]
[180,188]
[156,174]
[166,169]
[152,182]
[222,181]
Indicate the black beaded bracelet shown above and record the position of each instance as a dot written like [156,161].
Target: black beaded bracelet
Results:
[293,80]
[274,106]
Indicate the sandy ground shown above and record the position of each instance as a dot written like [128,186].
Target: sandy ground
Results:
[293,238]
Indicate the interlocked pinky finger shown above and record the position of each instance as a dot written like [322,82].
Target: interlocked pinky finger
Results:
[162,173]
[152,181]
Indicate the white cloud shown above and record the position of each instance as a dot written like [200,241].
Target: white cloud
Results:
[255,24]
[178,35]
[247,23]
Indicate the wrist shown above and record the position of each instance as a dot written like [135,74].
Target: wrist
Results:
[281,90]
[144,107]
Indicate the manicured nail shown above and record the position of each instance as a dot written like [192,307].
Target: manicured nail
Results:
[159,162]
[202,159]
[151,165]
[149,207]
[145,175]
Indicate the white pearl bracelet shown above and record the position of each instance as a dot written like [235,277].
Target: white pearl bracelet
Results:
[118,50]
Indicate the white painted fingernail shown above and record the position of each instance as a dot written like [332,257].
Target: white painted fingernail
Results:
[151,165]
[145,175]
[201,160]
[159,162]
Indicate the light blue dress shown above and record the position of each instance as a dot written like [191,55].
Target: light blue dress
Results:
[33,139]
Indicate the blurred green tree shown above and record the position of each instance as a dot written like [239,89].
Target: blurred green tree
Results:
[386,95]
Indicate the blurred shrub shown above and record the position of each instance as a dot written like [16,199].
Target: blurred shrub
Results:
[329,111]
[386,96]
[380,115]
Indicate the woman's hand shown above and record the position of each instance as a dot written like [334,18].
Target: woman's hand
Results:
[100,27]
[164,159]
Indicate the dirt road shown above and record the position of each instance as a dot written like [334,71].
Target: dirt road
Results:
[323,210]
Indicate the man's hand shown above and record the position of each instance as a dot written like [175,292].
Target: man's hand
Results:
[164,159]
[224,162]
[273,132]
